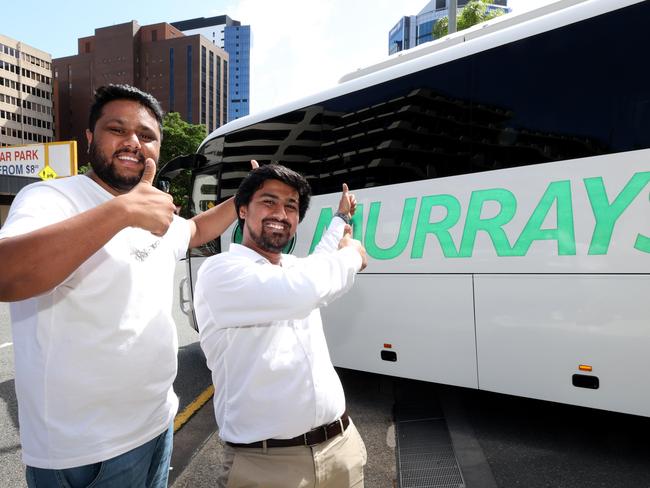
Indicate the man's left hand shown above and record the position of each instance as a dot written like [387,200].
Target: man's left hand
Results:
[348,202]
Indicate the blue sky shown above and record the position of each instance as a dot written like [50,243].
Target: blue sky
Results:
[298,46]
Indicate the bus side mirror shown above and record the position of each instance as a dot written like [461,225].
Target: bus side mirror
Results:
[172,169]
[163,184]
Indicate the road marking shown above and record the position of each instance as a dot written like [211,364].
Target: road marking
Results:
[6,344]
[193,407]
[390,437]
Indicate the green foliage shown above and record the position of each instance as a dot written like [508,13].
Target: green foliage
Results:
[441,28]
[473,13]
[180,138]
[179,189]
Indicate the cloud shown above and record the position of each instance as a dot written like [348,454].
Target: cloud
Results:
[303,46]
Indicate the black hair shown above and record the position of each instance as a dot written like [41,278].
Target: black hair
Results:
[109,93]
[256,178]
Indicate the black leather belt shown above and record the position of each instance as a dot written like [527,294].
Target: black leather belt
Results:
[311,438]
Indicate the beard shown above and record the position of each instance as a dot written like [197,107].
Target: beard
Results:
[105,170]
[269,240]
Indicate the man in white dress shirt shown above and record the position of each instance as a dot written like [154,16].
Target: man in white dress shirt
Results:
[278,401]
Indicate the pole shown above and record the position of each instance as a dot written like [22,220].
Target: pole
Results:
[453,10]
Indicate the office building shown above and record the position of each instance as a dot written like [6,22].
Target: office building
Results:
[25,94]
[26,115]
[414,30]
[185,73]
[235,39]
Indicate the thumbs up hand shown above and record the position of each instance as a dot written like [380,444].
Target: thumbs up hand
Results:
[147,207]
[149,172]
[348,202]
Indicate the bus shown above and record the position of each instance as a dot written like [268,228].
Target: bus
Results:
[502,176]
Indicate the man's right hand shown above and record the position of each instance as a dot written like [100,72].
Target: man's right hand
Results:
[147,207]
[348,241]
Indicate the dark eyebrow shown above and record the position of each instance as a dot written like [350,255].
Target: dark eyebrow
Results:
[121,121]
[115,120]
[271,195]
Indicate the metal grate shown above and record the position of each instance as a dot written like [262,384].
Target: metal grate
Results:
[425,456]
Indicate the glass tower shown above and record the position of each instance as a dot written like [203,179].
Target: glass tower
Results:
[235,39]
[414,30]
[237,43]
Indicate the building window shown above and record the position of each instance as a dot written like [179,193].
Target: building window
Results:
[218,92]
[204,103]
[189,84]
[224,105]
[211,94]
[171,79]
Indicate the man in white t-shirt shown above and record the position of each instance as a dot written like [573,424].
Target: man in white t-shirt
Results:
[278,401]
[88,262]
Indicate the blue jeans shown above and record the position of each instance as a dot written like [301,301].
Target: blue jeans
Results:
[146,466]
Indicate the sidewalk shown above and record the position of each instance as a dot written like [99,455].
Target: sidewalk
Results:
[197,451]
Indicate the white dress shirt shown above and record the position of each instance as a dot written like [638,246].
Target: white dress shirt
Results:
[261,331]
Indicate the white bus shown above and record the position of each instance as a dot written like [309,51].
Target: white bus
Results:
[503,187]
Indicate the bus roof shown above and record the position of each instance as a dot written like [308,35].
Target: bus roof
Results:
[474,32]
[496,32]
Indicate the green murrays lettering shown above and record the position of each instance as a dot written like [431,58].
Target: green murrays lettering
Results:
[492,226]
[606,213]
[555,204]
[438,229]
[402,240]
[557,193]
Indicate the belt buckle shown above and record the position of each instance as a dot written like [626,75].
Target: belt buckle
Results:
[307,443]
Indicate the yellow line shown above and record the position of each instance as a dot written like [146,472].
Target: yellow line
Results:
[193,407]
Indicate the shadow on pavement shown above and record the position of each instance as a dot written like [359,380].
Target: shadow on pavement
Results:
[193,374]
[8,394]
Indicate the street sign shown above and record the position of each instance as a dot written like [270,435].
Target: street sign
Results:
[47,173]
[48,160]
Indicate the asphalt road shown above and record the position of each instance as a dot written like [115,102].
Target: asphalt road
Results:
[11,468]
[537,444]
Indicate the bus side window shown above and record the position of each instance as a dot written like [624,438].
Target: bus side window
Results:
[204,197]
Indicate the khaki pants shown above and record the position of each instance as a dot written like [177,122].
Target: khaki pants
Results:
[336,463]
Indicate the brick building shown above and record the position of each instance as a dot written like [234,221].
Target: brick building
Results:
[187,74]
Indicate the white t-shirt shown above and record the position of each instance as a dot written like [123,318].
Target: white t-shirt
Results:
[261,331]
[95,356]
